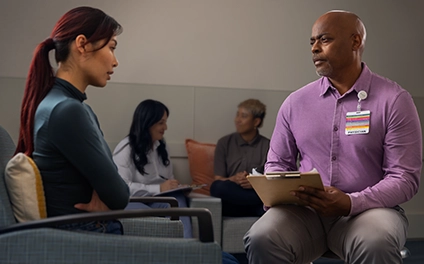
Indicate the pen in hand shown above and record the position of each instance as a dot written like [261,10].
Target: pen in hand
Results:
[169,184]
[163,177]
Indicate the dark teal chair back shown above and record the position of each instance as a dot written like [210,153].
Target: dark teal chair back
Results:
[7,148]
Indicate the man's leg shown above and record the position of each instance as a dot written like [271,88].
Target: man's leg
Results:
[372,237]
[237,201]
[286,234]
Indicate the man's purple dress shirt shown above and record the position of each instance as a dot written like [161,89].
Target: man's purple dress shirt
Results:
[378,169]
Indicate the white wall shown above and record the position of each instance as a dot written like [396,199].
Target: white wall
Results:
[202,57]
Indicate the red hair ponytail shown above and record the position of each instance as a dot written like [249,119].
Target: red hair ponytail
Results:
[95,25]
[39,82]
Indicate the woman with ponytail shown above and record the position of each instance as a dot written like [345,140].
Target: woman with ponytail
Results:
[60,132]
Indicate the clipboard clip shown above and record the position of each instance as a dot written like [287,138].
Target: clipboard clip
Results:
[283,175]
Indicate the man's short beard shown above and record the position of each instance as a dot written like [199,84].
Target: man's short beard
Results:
[324,72]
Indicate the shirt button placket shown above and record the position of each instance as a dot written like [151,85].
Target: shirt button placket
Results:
[335,141]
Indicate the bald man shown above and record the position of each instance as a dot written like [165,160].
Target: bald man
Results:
[362,133]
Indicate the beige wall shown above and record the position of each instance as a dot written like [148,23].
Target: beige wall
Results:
[246,44]
[202,57]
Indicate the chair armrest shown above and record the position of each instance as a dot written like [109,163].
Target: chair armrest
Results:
[172,201]
[203,216]
[214,205]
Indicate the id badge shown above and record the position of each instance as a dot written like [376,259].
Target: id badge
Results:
[357,122]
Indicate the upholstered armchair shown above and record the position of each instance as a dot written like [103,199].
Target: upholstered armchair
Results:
[149,239]
[228,231]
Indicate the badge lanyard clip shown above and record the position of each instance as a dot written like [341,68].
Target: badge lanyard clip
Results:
[362,95]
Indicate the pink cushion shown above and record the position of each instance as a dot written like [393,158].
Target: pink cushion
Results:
[200,160]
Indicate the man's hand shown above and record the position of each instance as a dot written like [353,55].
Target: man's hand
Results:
[328,202]
[240,179]
[95,205]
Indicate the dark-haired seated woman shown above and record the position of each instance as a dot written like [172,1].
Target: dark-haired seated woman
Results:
[143,161]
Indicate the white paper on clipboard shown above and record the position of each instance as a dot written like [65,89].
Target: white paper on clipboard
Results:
[274,188]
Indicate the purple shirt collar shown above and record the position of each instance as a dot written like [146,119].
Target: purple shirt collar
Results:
[361,84]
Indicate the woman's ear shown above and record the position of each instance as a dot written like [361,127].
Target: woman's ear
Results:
[256,122]
[81,42]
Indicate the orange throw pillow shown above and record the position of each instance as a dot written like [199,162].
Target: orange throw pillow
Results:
[200,160]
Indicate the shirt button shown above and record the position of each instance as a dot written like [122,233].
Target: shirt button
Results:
[333,158]
[335,128]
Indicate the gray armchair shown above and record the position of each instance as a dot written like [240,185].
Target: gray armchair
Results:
[38,242]
[228,231]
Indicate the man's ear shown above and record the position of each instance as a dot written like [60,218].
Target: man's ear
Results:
[356,41]
[80,42]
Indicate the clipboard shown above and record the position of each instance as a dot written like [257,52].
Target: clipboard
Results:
[274,188]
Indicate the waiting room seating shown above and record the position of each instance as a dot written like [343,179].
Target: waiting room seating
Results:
[38,242]
[228,231]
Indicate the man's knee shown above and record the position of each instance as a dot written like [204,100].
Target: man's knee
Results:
[378,235]
[221,188]
[262,236]
[379,225]
[256,239]
[379,239]
[215,189]
[374,248]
